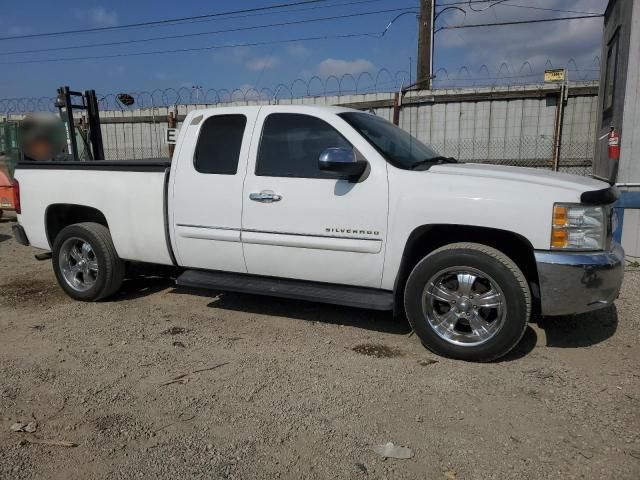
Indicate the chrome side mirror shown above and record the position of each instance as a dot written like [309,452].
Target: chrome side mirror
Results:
[342,162]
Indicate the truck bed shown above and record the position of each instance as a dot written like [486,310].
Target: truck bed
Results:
[131,194]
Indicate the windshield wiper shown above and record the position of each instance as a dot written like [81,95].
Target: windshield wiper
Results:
[428,162]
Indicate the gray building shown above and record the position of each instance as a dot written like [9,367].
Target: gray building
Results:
[619,106]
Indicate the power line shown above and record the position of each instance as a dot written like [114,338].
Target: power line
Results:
[341,3]
[487,7]
[164,21]
[519,22]
[189,35]
[195,49]
[530,7]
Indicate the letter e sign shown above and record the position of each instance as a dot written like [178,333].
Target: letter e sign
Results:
[170,135]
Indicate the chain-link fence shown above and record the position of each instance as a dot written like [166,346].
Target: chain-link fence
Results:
[575,157]
[534,152]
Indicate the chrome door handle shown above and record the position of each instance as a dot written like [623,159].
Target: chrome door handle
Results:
[265,196]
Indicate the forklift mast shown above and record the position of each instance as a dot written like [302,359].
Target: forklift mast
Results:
[88,103]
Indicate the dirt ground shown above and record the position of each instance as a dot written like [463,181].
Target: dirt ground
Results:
[168,383]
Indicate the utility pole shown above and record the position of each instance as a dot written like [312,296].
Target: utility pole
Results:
[425,44]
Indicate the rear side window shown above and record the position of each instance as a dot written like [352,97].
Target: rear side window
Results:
[219,143]
[292,143]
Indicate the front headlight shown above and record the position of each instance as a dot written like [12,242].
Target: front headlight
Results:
[578,227]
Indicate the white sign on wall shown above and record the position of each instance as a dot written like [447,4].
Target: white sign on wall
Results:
[170,136]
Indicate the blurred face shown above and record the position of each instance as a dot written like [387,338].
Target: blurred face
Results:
[39,149]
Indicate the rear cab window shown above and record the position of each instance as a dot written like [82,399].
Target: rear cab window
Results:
[219,143]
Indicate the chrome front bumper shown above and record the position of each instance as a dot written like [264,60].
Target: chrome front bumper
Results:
[576,282]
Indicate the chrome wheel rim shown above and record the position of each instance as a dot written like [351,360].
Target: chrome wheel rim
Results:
[78,264]
[464,306]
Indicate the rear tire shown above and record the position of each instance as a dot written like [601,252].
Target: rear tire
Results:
[86,263]
[468,301]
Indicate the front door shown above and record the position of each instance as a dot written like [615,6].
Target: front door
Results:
[300,222]
[206,194]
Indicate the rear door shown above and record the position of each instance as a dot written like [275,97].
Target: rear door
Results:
[206,191]
[316,227]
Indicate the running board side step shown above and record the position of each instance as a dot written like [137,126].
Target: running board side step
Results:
[359,297]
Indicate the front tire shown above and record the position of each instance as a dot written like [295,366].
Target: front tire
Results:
[86,263]
[468,301]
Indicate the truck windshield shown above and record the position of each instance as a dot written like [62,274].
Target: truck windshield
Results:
[397,146]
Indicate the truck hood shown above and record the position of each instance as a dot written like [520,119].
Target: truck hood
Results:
[536,176]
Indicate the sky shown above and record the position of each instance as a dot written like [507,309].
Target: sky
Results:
[277,54]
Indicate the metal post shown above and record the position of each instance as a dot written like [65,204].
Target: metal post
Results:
[557,134]
[95,132]
[66,114]
[432,34]
[396,109]
[171,121]
[425,44]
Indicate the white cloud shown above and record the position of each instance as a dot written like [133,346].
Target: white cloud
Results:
[246,57]
[235,55]
[298,51]
[262,63]
[333,66]
[535,42]
[101,17]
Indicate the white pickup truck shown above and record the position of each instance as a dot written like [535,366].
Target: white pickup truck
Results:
[334,205]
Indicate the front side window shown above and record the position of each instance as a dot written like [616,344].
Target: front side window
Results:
[397,146]
[219,144]
[291,145]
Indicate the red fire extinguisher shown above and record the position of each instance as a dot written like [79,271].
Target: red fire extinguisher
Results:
[613,139]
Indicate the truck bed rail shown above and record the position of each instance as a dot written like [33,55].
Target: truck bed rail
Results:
[143,165]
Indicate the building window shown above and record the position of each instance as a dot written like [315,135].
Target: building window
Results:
[610,80]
